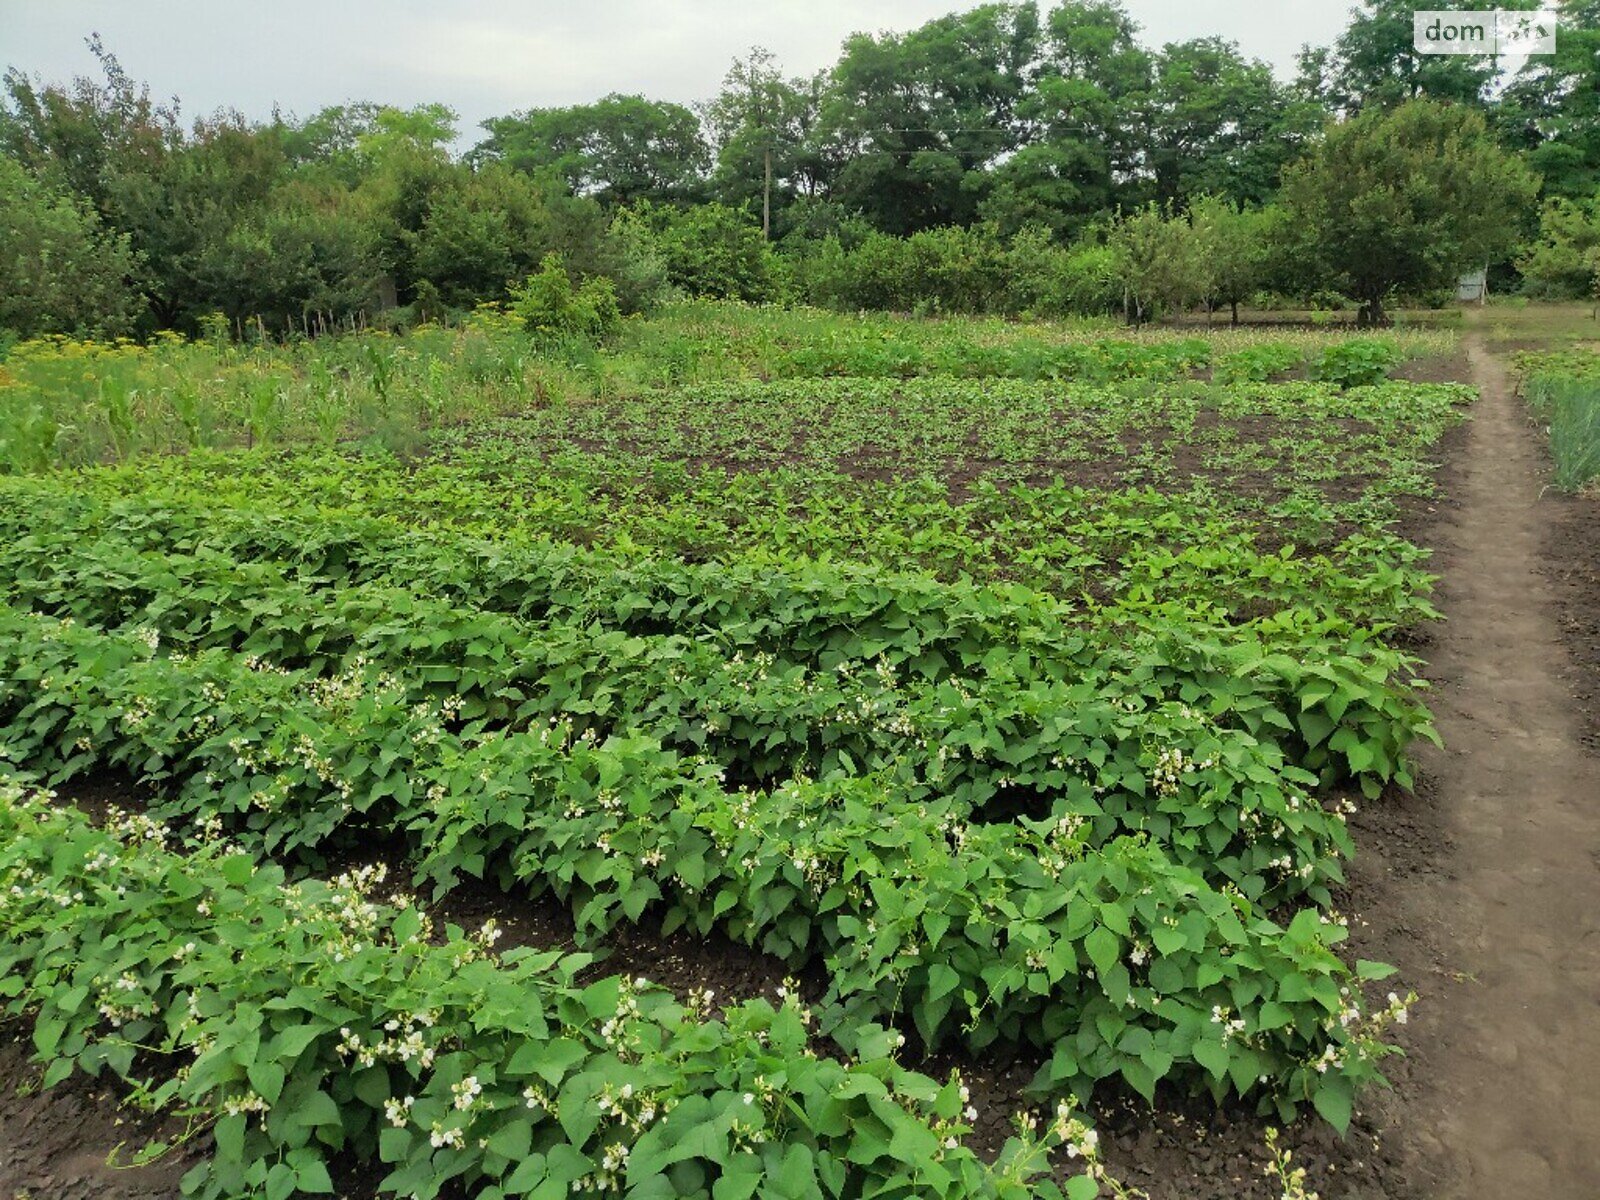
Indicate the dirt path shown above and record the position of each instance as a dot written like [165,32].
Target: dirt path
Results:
[1511,1106]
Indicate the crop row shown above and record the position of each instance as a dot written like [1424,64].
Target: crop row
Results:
[72,402]
[1118,960]
[1563,390]
[1336,702]
[1105,747]
[1270,454]
[1122,551]
[1281,439]
[300,1023]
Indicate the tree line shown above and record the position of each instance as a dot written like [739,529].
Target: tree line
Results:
[1002,159]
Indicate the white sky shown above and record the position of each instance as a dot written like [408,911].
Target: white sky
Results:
[489,57]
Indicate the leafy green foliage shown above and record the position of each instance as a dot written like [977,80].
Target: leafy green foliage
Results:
[553,309]
[949,270]
[1376,64]
[713,251]
[1564,261]
[620,148]
[766,718]
[1359,362]
[1549,109]
[61,271]
[1256,364]
[901,900]
[1014,720]
[310,1020]
[76,402]
[1406,199]
[1160,261]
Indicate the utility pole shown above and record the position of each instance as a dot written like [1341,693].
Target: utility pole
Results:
[766,190]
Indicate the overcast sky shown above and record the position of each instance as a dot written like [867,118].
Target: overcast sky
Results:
[488,57]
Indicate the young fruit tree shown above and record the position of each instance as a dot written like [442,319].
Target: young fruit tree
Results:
[1159,261]
[1234,244]
[1407,199]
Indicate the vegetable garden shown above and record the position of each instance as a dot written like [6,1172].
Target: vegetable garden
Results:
[1013,692]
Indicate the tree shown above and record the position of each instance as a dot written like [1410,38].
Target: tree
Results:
[1082,139]
[60,270]
[1376,64]
[1565,259]
[177,203]
[1218,123]
[553,308]
[760,124]
[921,116]
[353,140]
[482,230]
[1046,279]
[1234,243]
[619,149]
[79,136]
[1551,109]
[304,256]
[1160,262]
[1407,198]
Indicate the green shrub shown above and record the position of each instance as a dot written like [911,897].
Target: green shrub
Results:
[551,307]
[1048,280]
[61,270]
[957,270]
[301,1023]
[870,276]
[714,251]
[946,270]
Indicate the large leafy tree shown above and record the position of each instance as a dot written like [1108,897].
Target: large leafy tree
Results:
[762,126]
[619,149]
[1564,260]
[172,194]
[482,230]
[1407,198]
[303,262]
[921,116]
[1375,61]
[713,250]
[445,234]
[351,141]
[1551,109]
[1081,129]
[79,136]
[1219,124]
[176,203]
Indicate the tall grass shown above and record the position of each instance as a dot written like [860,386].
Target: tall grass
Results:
[73,403]
[65,402]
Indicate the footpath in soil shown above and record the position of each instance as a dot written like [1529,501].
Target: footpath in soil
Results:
[1510,1107]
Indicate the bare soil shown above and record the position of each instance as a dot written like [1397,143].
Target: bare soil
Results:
[55,1145]
[1510,916]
